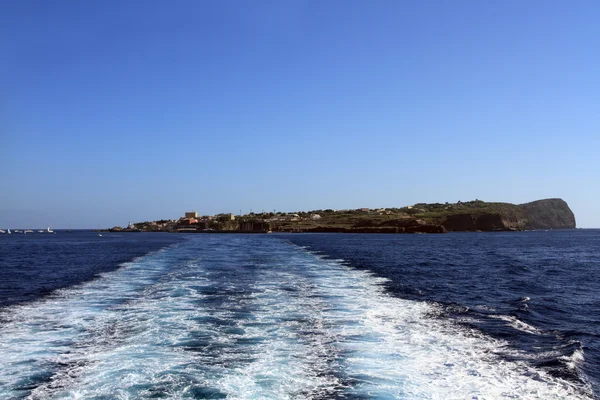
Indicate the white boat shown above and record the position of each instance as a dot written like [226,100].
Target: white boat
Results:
[41,231]
[18,231]
[28,231]
[8,231]
[49,230]
[2,231]
[99,234]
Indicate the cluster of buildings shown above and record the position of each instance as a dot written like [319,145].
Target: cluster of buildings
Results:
[191,218]
[228,222]
[192,222]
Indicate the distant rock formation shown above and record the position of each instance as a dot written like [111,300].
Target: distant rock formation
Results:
[405,225]
[548,214]
[479,222]
[540,214]
[420,226]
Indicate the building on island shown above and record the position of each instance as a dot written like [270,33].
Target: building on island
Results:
[226,217]
[191,214]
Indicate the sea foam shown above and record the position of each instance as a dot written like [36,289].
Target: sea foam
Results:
[250,317]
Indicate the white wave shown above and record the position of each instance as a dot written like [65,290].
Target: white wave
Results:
[574,359]
[250,317]
[517,324]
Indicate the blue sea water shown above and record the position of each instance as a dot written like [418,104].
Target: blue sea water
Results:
[316,316]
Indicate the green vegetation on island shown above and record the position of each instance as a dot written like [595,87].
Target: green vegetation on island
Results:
[475,215]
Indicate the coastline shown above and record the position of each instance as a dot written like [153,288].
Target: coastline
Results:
[471,216]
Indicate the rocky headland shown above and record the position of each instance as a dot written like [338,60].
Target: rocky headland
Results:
[472,216]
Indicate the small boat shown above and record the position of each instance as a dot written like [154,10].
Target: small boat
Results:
[49,230]
[41,231]
[8,231]
[99,234]
[2,231]
[28,231]
[18,231]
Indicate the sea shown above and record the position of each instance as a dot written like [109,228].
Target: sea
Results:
[512,315]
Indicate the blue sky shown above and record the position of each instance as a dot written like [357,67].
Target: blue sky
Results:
[112,111]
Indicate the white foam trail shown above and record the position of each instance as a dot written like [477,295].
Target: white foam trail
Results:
[67,328]
[517,324]
[250,317]
[398,351]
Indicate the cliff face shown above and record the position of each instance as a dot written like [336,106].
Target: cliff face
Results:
[483,222]
[548,214]
[540,214]
[413,226]
[392,226]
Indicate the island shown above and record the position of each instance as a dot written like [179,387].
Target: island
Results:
[470,216]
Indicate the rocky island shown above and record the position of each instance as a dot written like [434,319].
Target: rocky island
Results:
[470,216]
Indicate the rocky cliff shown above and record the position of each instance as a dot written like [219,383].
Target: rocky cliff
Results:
[484,222]
[548,214]
[540,214]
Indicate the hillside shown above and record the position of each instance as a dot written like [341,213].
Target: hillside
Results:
[549,214]
[474,215]
[470,216]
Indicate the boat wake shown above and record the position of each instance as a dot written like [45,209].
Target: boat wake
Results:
[250,317]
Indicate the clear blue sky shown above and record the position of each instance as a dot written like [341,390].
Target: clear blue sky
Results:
[113,111]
